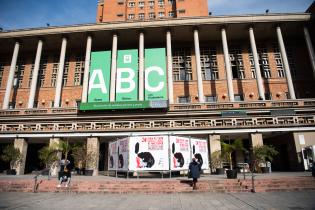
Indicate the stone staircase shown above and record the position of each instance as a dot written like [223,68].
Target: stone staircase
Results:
[161,186]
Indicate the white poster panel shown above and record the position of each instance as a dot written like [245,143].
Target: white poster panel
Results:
[122,152]
[112,156]
[180,153]
[148,153]
[199,150]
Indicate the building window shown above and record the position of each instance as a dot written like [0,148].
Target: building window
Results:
[182,65]
[41,72]
[161,3]
[141,16]
[237,64]
[131,16]
[1,72]
[181,11]
[171,14]
[120,2]
[161,14]
[183,99]
[151,3]
[12,105]
[209,65]
[53,80]
[120,15]
[263,62]
[268,96]
[211,98]
[171,1]
[278,59]
[238,97]
[79,70]
[65,72]
[19,73]
[141,4]
[131,4]
[77,103]
[151,15]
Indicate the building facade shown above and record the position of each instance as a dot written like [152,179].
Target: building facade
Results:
[227,77]
[141,10]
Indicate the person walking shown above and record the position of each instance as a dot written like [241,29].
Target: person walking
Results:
[194,171]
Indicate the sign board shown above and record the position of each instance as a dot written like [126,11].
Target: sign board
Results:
[148,153]
[122,154]
[123,105]
[199,150]
[99,77]
[180,153]
[112,156]
[127,75]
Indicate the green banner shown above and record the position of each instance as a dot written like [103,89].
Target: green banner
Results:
[123,105]
[99,77]
[127,75]
[155,74]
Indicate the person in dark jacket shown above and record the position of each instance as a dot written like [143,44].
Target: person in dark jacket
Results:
[194,170]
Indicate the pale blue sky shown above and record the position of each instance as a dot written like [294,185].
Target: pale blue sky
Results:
[36,13]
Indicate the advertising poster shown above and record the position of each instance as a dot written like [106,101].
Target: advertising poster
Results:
[127,75]
[155,74]
[199,149]
[148,153]
[180,153]
[112,156]
[122,153]
[99,77]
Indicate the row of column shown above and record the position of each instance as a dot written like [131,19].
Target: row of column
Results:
[92,145]
[141,67]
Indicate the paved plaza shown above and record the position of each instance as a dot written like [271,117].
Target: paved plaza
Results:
[186,201]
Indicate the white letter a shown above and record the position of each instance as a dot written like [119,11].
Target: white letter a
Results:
[97,73]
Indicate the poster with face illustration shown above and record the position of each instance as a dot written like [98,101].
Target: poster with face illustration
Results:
[148,153]
[122,154]
[112,155]
[180,153]
[199,149]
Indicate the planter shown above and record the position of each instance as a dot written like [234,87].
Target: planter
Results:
[11,172]
[219,171]
[89,172]
[231,174]
[265,170]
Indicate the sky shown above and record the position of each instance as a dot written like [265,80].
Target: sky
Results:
[37,13]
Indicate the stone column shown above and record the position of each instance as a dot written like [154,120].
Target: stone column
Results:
[214,145]
[198,65]
[141,66]
[310,49]
[53,142]
[35,74]
[227,65]
[93,150]
[260,86]
[21,144]
[113,69]
[285,63]
[60,72]
[169,66]
[86,69]
[7,94]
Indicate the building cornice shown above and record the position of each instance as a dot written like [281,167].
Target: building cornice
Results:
[211,20]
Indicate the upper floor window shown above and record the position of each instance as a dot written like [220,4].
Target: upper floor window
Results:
[19,73]
[41,72]
[263,62]
[65,72]
[171,14]
[209,65]
[131,16]
[141,4]
[237,64]
[239,97]
[79,70]
[141,16]
[211,98]
[131,4]
[183,99]
[161,2]
[1,72]
[151,3]
[161,14]
[182,65]
[171,1]
[53,80]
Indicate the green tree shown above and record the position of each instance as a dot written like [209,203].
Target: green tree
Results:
[263,153]
[12,155]
[228,149]
[48,155]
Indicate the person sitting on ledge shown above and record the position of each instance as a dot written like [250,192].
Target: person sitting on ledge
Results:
[64,174]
